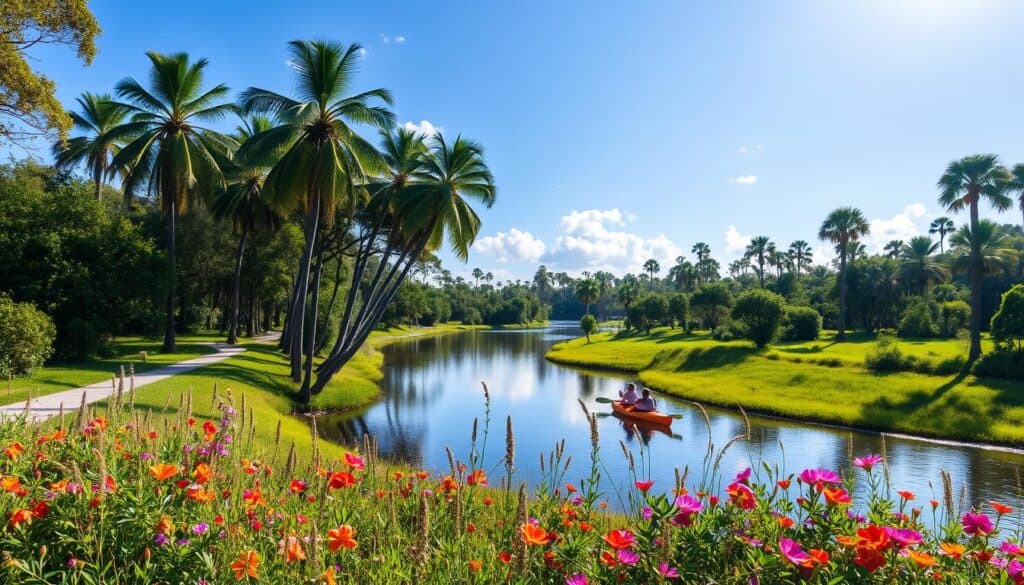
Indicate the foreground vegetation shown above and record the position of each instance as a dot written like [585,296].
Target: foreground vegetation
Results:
[134,495]
[819,381]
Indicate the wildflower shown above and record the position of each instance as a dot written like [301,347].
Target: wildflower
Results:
[163,471]
[903,537]
[576,579]
[783,483]
[689,507]
[820,476]
[254,497]
[475,565]
[199,495]
[869,558]
[209,430]
[743,476]
[585,526]
[200,528]
[570,488]
[14,450]
[741,495]
[867,461]
[505,557]
[628,557]
[202,473]
[341,479]
[160,539]
[620,539]
[297,486]
[10,484]
[921,558]
[667,572]
[341,537]
[1011,549]
[953,550]
[908,496]
[792,552]
[354,462]
[836,496]
[478,477]
[488,501]
[644,486]
[291,547]
[785,522]
[1000,508]
[328,577]
[245,565]
[20,516]
[532,534]
[976,524]
[165,525]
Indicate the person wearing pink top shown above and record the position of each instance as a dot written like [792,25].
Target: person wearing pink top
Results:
[629,397]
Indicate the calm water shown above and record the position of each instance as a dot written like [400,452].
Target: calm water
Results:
[432,392]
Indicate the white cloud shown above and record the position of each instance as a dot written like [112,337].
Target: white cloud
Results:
[744,180]
[593,240]
[735,242]
[516,246]
[363,52]
[424,127]
[749,149]
[901,226]
[399,39]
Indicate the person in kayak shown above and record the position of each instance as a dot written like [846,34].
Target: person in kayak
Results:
[629,397]
[646,404]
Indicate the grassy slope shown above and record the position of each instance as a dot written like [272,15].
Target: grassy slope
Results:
[734,373]
[62,375]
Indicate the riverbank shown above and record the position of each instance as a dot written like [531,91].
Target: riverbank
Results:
[818,381]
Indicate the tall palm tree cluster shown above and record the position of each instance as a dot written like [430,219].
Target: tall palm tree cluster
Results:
[375,210]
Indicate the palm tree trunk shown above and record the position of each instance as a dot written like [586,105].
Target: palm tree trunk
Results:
[314,314]
[169,345]
[298,312]
[841,335]
[236,292]
[976,280]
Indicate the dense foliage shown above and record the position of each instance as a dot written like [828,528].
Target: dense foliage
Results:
[761,314]
[26,337]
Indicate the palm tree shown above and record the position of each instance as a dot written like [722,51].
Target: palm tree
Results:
[242,203]
[318,160]
[1017,184]
[893,248]
[488,277]
[587,291]
[168,150]
[942,226]
[652,267]
[990,240]
[628,291]
[843,227]
[919,265]
[964,184]
[98,116]
[801,255]
[759,248]
[702,251]
[477,274]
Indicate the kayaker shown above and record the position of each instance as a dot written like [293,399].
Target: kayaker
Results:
[646,404]
[629,397]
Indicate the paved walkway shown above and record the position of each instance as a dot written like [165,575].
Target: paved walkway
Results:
[49,405]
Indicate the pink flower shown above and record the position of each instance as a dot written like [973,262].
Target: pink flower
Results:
[903,537]
[1011,549]
[628,557]
[743,476]
[577,579]
[354,461]
[976,524]
[815,476]
[867,461]
[792,552]
[667,572]
[689,507]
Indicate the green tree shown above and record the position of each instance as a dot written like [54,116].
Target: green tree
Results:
[477,275]
[169,149]
[843,227]
[26,337]
[96,148]
[965,184]
[711,303]
[919,266]
[318,161]
[28,104]
[587,292]
[627,291]
[1008,322]
[679,309]
[758,250]
[942,226]
[893,248]
[1017,184]
[761,312]
[802,256]
[651,267]
[588,325]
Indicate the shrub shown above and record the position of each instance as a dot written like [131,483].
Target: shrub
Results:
[1004,362]
[919,319]
[648,311]
[1008,322]
[886,355]
[954,317]
[26,337]
[761,312]
[729,331]
[679,310]
[711,304]
[801,324]
[588,324]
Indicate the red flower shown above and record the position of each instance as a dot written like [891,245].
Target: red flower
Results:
[1000,508]
[644,486]
[341,479]
[619,539]
[869,558]
[505,557]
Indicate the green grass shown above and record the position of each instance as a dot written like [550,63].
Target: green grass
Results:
[61,375]
[734,373]
[530,325]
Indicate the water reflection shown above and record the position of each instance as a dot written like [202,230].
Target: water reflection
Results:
[432,393]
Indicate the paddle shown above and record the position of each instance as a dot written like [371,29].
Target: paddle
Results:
[603,400]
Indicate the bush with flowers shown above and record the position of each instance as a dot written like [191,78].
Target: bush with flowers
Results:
[126,496]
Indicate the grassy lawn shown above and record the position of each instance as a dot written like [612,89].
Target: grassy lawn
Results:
[734,373]
[62,375]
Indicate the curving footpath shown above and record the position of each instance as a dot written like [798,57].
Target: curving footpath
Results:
[50,405]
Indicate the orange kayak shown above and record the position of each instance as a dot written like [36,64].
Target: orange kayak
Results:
[651,417]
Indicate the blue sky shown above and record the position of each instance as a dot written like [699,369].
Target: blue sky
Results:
[623,130]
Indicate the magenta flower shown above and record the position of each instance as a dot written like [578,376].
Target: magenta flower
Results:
[792,552]
[689,507]
[667,572]
[903,537]
[867,461]
[743,476]
[200,528]
[815,476]
[976,524]
[628,557]
[577,579]
[1011,549]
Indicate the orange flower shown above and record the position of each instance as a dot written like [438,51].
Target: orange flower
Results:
[254,497]
[341,537]
[328,577]
[10,484]
[245,565]
[478,477]
[14,450]
[163,471]
[199,495]
[292,549]
[906,495]
[785,521]
[836,496]
[165,525]
[341,479]
[532,534]
[202,473]
[922,559]
[586,526]
[18,516]
[1000,508]
[475,565]
[620,539]
[952,549]
[818,556]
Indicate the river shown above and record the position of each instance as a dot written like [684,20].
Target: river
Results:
[432,391]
